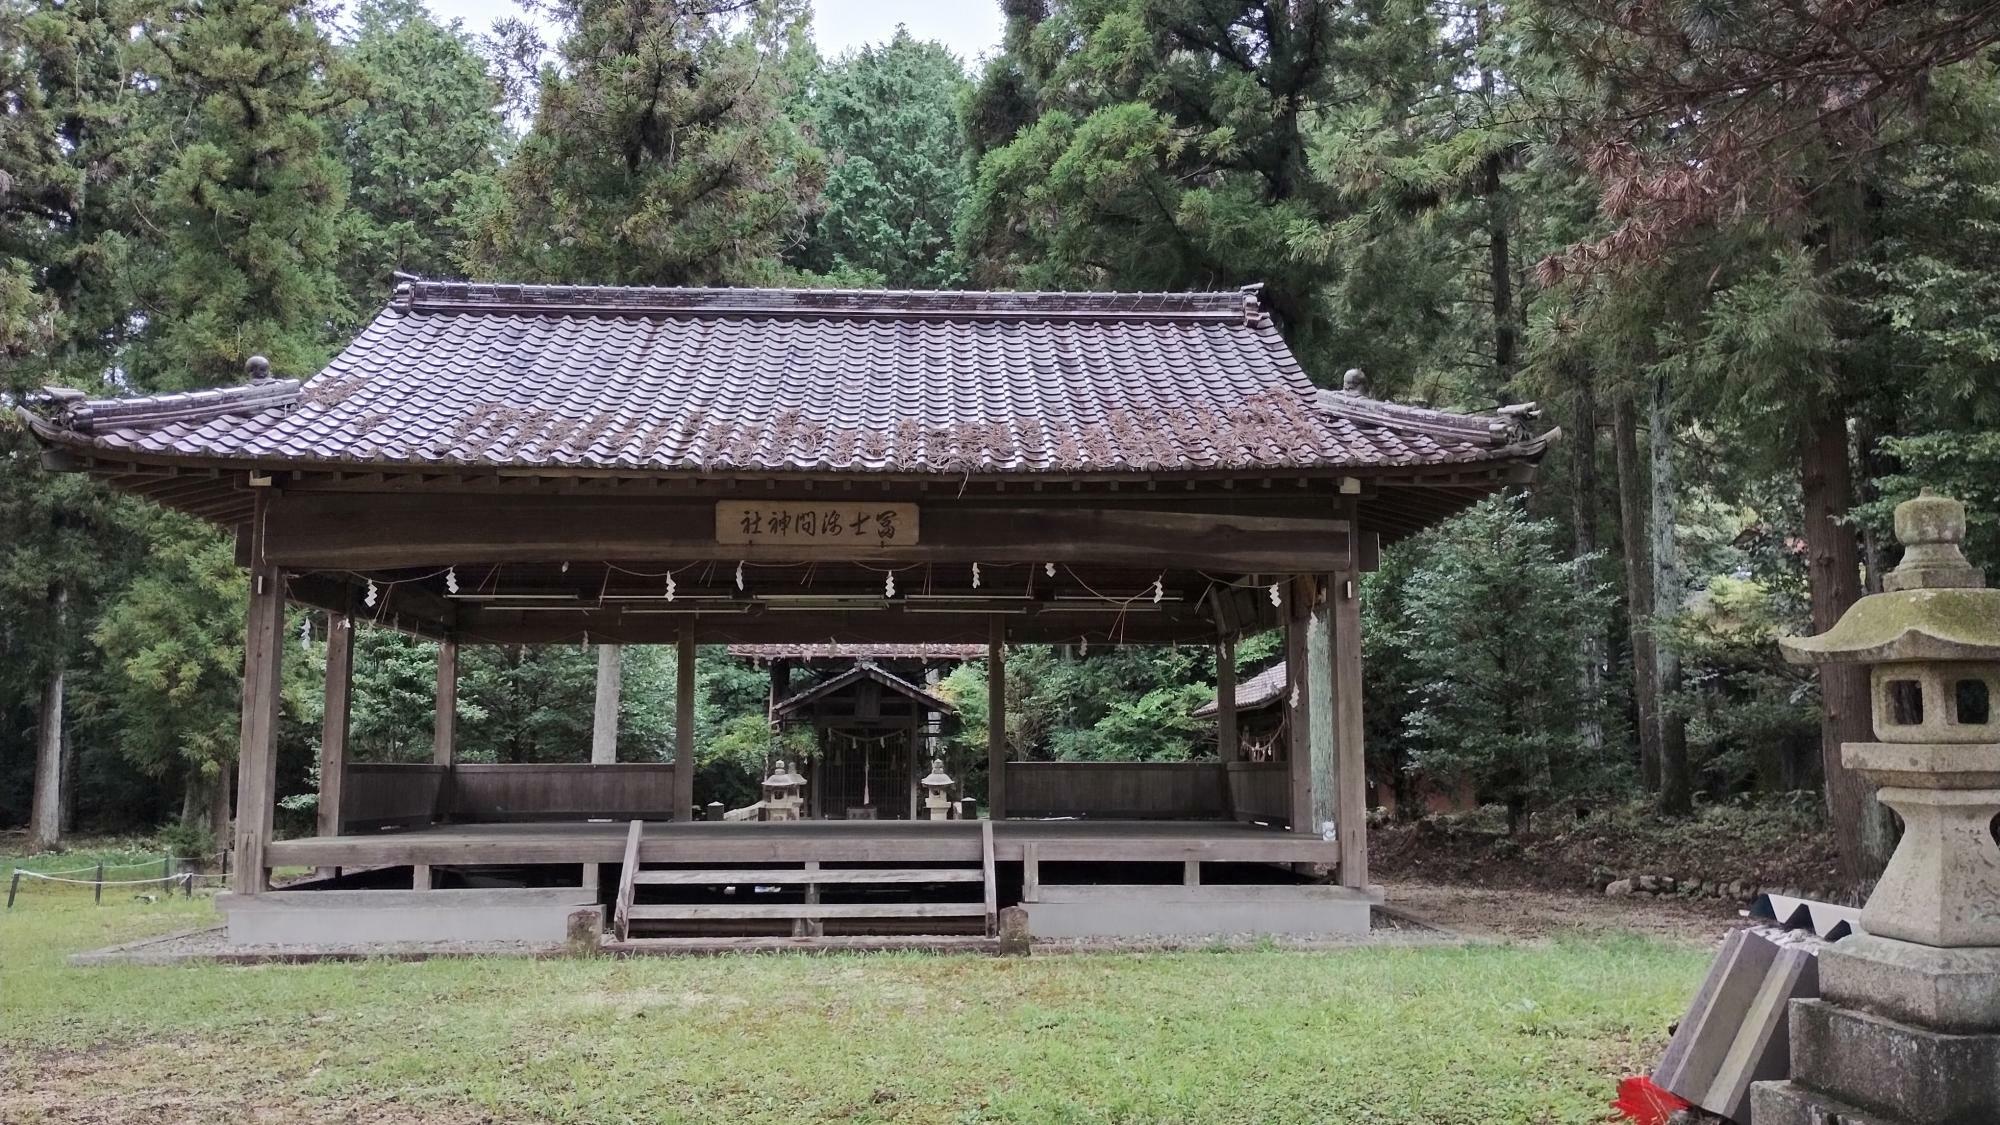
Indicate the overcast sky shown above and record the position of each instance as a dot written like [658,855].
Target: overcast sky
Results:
[969,27]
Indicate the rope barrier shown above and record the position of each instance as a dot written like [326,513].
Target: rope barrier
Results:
[101,882]
[183,879]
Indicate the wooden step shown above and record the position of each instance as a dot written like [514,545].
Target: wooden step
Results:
[795,877]
[811,911]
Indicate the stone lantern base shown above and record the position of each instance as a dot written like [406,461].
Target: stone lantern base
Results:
[1903,1034]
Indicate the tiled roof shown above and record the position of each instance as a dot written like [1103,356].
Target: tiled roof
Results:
[779,381]
[1260,690]
[862,671]
[831,651]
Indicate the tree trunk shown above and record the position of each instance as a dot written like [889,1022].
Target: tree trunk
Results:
[1833,576]
[45,821]
[604,723]
[1676,779]
[45,818]
[1583,497]
[219,828]
[1632,519]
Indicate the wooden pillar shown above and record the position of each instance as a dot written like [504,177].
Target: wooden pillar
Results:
[257,750]
[1319,696]
[684,728]
[996,721]
[1228,743]
[781,687]
[334,720]
[1298,702]
[604,718]
[444,734]
[1351,786]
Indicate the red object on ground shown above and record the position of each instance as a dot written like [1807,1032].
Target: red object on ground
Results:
[1641,1101]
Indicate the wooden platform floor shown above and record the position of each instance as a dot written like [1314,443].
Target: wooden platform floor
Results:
[828,841]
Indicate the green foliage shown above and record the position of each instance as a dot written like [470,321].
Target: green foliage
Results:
[247,199]
[887,117]
[660,152]
[421,144]
[1963,465]
[173,641]
[1165,151]
[1492,613]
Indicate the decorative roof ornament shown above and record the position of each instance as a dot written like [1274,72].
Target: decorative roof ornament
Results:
[1355,382]
[258,368]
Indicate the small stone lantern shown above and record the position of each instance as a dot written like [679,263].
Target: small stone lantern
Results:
[1908,1024]
[782,796]
[937,791]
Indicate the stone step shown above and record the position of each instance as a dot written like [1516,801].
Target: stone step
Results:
[1901,1072]
[1788,1103]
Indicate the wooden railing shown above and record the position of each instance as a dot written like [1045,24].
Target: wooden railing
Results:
[392,795]
[1117,790]
[483,792]
[1261,791]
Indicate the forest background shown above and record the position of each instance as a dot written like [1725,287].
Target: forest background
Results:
[1742,252]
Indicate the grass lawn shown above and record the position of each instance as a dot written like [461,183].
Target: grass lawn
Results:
[1487,1034]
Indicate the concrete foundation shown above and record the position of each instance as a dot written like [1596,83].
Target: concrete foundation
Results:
[1842,1058]
[1079,911]
[536,914]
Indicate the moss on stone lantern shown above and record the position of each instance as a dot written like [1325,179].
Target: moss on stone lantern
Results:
[1931,642]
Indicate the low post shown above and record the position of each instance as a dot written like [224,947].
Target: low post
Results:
[167,867]
[13,888]
[715,809]
[98,889]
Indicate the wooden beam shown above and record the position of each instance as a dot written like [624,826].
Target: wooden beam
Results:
[684,677]
[334,720]
[892,625]
[444,733]
[996,720]
[1351,806]
[257,750]
[346,531]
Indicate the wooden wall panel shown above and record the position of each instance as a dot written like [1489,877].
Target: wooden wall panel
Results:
[1260,791]
[1117,790]
[562,791]
[391,794]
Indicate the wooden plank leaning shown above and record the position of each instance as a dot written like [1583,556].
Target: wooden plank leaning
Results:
[621,918]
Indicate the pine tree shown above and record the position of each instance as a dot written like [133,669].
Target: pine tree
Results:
[660,152]
[887,117]
[1491,615]
[246,212]
[66,166]
[420,146]
[1168,147]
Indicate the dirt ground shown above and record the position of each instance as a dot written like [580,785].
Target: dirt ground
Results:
[1522,914]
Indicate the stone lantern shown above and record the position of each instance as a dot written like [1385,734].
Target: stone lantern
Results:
[937,791]
[1907,1028]
[782,797]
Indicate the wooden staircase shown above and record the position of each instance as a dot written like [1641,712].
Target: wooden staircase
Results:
[808,917]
